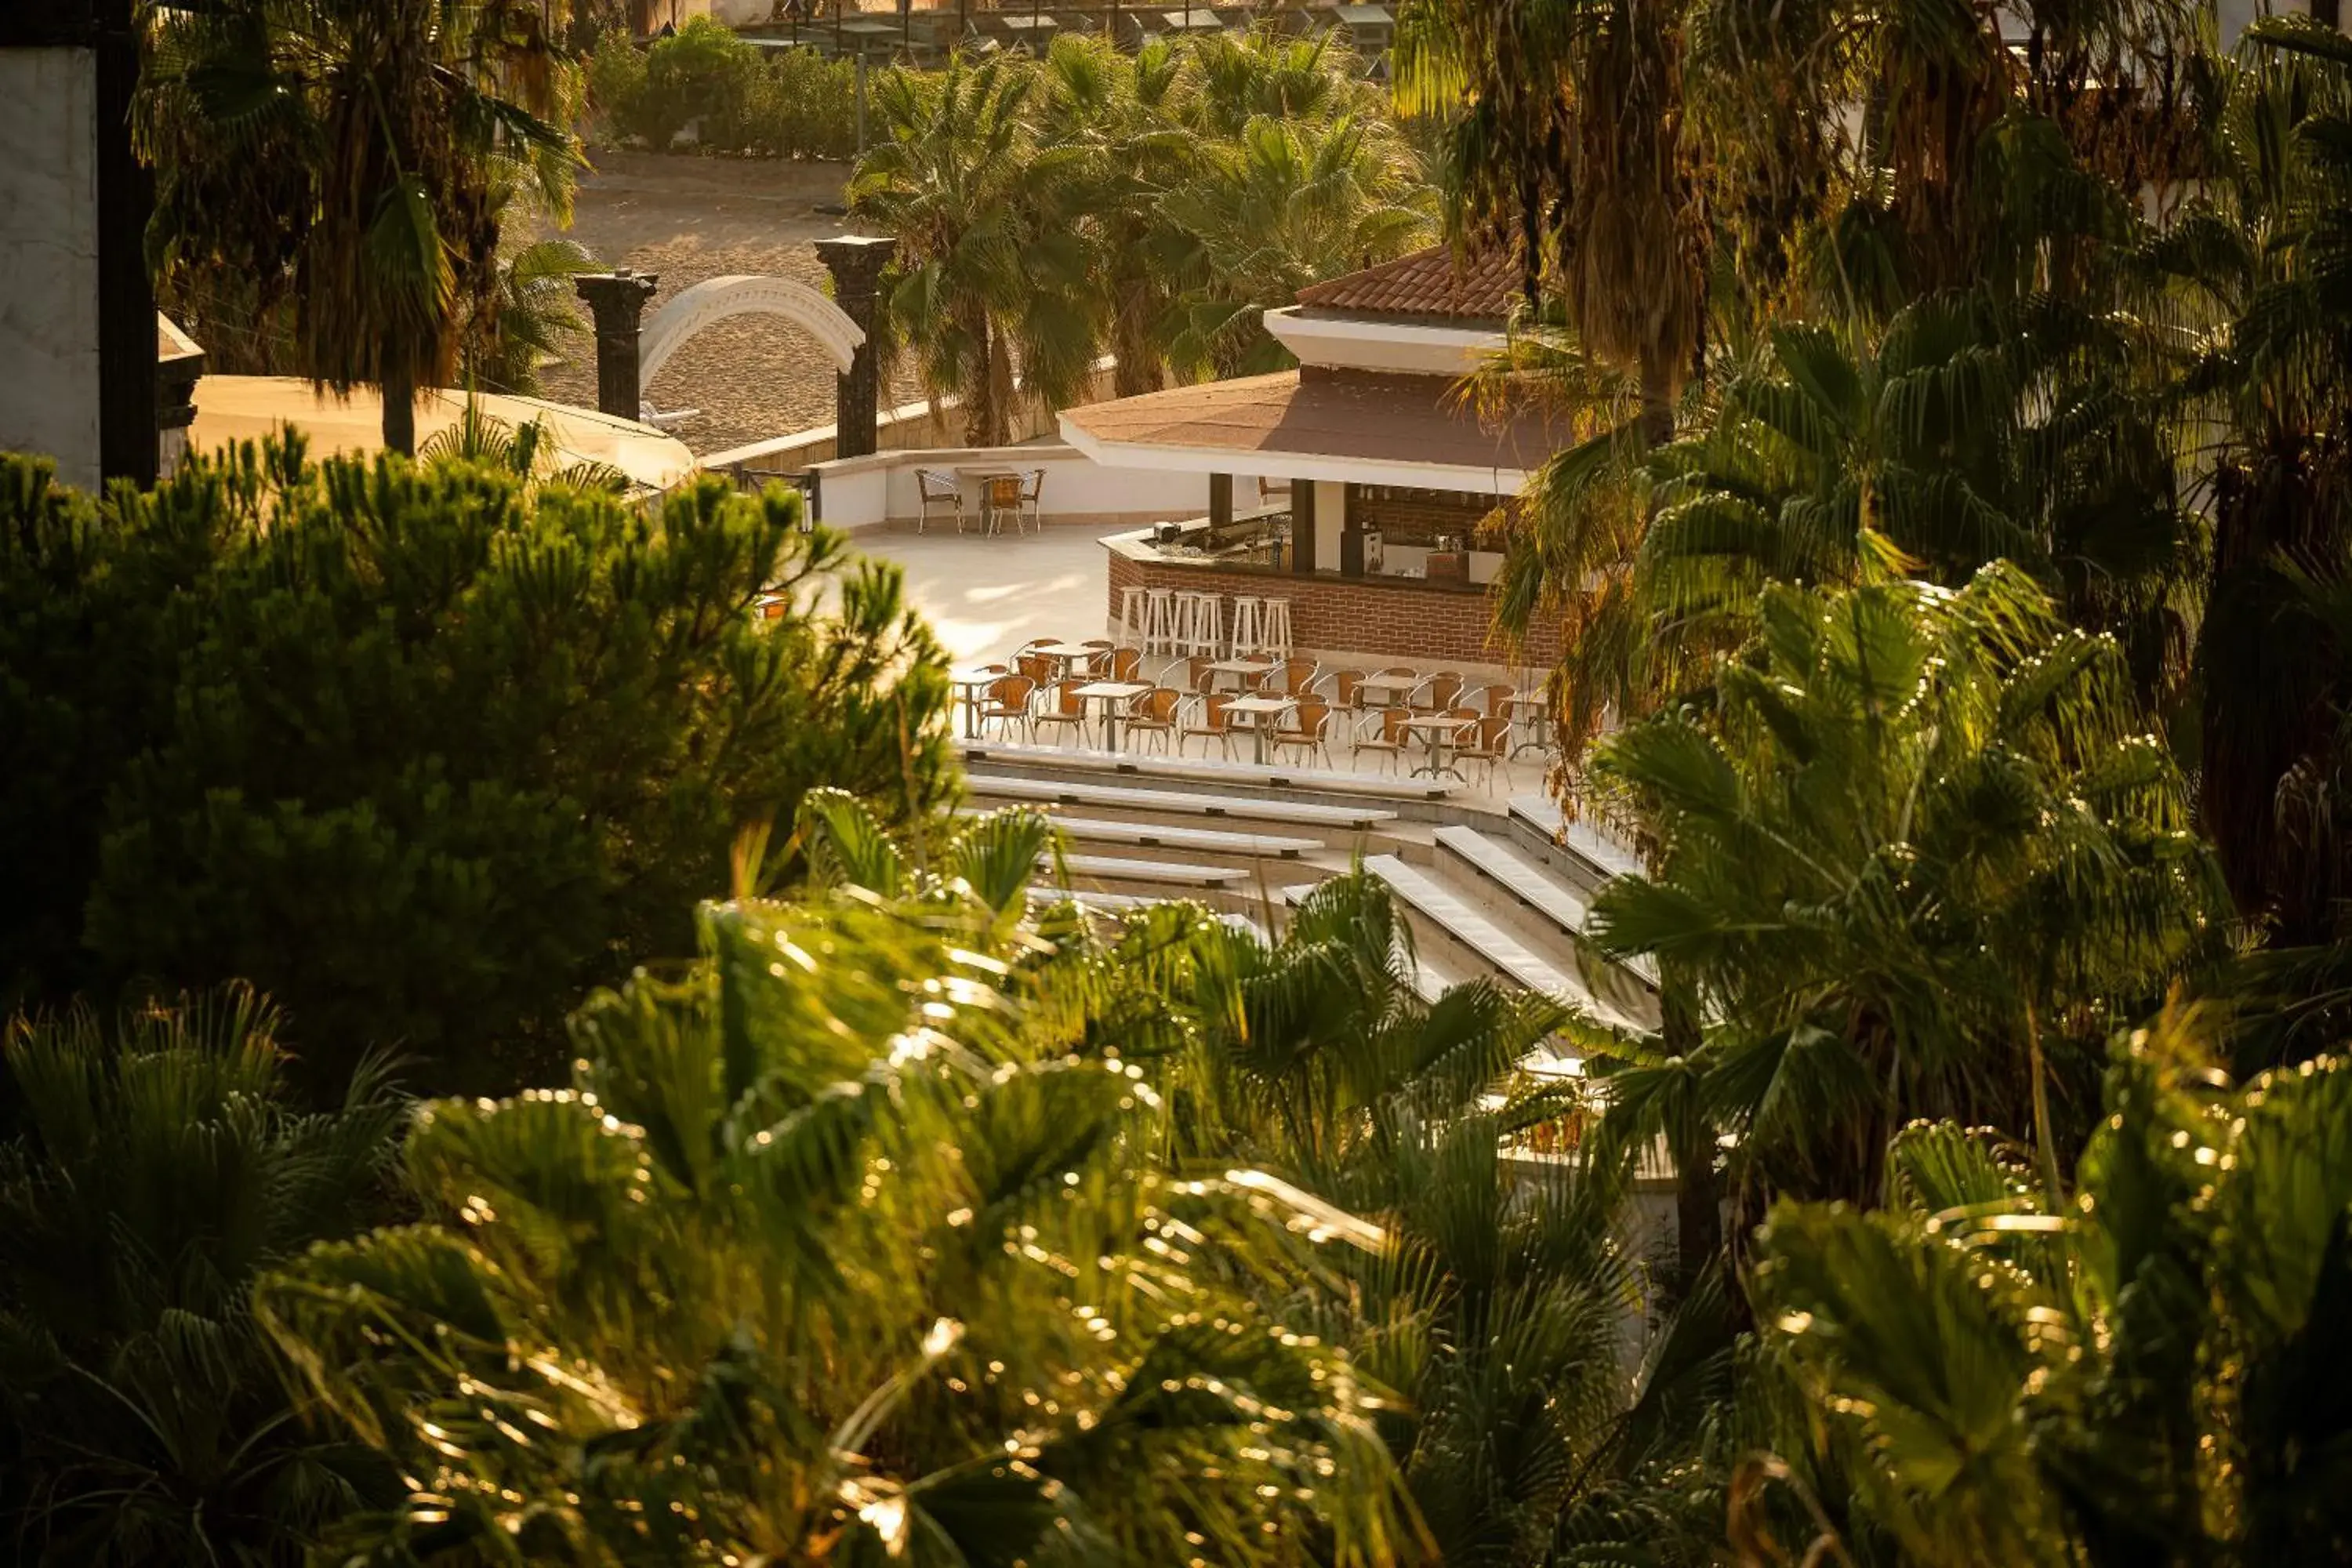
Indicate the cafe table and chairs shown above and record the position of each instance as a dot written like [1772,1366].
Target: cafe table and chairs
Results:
[1068,657]
[1242,675]
[972,684]
[1258,715]
[1114,697]
[1531,722]
[1387,687]
[1442,734]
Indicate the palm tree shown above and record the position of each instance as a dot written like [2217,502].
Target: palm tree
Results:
[2011,1372]
[1921,860]
[847,1243]
[1959,435]
[982,282]
[1506,1310]
[157,1165]
[1285,204]
[1110,116]
[532,314]
[373,139]
[1562,126]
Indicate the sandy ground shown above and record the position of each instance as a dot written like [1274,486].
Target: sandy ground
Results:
[686,218]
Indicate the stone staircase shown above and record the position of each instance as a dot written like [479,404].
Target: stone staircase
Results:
[1485,891]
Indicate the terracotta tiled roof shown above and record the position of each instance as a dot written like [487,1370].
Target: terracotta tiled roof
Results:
[1344,415]
[1427,283]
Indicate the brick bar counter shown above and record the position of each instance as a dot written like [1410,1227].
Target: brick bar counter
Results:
[1412,620]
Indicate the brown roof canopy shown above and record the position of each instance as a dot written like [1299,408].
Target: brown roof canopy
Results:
[1433,284]
[1349,423]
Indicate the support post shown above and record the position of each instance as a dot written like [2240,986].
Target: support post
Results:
[1352,538]
[856,262]
[617,301]
[1221,500]
[1302,527]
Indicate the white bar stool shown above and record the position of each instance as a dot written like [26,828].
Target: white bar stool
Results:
[1249,625]
[1134,618]
[1199,618]
[1160,620]
[1274,633]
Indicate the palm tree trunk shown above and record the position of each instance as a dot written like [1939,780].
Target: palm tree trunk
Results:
[1000,395]
[979,397]
[1690,1140]
[1657,399]
[399,390]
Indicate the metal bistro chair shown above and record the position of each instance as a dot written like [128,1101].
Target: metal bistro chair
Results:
[1347,688]
[1298,676]
[1381,731]
[1308,731]
[1065,708]
[1437,693]
[1154,713]
[1008,705]
[938,490]
[1489,745]
[1126,663]
[1214,724]
[1098,661]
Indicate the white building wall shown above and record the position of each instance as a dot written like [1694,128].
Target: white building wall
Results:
[48,258]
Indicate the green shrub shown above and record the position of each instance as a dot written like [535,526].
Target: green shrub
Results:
[423,752]
[777,103]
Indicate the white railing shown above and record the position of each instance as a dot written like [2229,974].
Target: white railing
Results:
[880,491]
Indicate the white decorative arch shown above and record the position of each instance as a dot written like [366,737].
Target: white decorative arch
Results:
[714,299]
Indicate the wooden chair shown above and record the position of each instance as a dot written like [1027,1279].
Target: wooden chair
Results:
[1381,731]
[1154,713]
[1126,663]
[1197,678]
[938,490]
[1437,693]
[1347,688]
[1008,704]
[1036,666]
[1212,724]
[1099,662]
[1309,730]
[1063,706]
[1297,675]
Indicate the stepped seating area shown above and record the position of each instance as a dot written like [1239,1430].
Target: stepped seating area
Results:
[1485,893]
[1213,770]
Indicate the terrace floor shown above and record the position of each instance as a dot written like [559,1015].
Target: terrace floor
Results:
[985,597]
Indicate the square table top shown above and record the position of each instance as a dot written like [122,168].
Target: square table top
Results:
[1243,666]
[1112,691]
[1261,704]
[1439,721]
[979,677]
[1067,650]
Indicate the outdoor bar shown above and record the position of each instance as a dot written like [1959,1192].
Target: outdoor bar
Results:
[1356,489]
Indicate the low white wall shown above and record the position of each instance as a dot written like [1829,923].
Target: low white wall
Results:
[879,492]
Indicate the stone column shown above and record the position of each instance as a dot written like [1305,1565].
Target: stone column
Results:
[617,301]
[856,262]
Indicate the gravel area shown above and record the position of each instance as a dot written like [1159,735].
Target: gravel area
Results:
[685,218]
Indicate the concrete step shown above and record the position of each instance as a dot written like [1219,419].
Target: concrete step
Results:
[1199,840]
[1211,770]
[1174,873]
[1431,898]
[1176,803]
[1590,855]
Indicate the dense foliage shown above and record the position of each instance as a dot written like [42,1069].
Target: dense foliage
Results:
[155,1167]
[1151,207]
[422,749]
